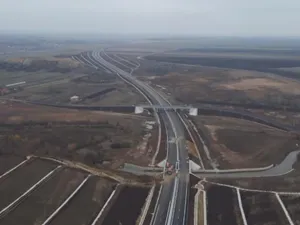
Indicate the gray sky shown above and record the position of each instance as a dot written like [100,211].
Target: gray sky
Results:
[198,17]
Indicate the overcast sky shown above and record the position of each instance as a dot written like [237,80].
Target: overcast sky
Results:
[197,17]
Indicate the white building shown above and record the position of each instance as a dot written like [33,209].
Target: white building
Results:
[74,99]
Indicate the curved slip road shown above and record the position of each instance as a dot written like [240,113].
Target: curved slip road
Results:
[283,168]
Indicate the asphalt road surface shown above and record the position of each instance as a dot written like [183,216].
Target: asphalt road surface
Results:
[285,167]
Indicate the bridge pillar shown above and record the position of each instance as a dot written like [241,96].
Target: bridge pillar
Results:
[138,110]
[193,112]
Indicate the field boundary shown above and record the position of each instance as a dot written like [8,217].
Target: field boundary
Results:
[241,206]
[104,207]
[16,167]
[26,193]
[284,209]
[66,201]
[253,190]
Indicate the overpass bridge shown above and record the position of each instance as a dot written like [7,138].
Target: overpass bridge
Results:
[191,110]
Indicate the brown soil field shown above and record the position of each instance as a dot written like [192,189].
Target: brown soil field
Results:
[193,84]
[55,80]
[42,62]
[16,112]
[262,209]
[260,84]
[7,162]
[92,137]
[236,143]
[62,90]
[120,212]
[33,78]
[222,206]
[20,180]
[291,203]
[38,206]
[227,54]
[162,153]
[284,117]
[87,203]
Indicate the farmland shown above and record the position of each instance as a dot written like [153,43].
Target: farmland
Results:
[225,211]
[256,59]
[255,208]
[51,199]
[262,208]
[54,80]
[22,179]
[238,143]
[96,138]
[46,199]
[73,176]
[292,204]
[84,208]
[136,197]
[8,161]
[197,85]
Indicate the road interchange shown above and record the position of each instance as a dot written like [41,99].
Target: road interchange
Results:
[172,201]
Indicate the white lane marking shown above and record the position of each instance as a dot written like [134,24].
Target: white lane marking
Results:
[170,216]
[185,204]
[128,61]
[28,191]
[241,206]
[104,207]
[168,213]
[14,168]
[284,210]
[118,62]
[66,201]
[88,55]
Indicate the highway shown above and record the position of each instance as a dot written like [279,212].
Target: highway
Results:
[172,202]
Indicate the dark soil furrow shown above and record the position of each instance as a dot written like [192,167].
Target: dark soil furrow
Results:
[87,203]
[221,206]
[262,208]
[127,207]
[41,203]
[22,179]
